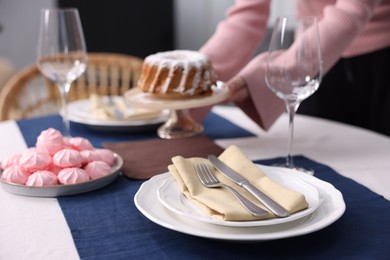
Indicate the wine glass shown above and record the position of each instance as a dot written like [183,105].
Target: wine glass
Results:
[61,52]
[294,67]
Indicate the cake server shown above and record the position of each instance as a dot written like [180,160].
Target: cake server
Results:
[273,206]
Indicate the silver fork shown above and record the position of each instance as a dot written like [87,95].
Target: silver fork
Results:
[208,179]
[117,113]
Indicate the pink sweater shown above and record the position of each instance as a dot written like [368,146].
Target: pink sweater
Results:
[347,28]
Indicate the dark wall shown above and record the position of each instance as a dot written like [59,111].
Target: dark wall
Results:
[136,27]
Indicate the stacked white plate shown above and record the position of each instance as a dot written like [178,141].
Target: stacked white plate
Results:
[161,201]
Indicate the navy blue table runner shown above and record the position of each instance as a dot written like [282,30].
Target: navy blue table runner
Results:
[214,127]
[105,224]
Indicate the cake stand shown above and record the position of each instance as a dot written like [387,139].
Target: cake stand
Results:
[180,124]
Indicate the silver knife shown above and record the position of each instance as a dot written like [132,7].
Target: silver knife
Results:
[277,209]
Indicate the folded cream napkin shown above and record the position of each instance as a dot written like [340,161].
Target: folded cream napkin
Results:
[102,108]
[220,203]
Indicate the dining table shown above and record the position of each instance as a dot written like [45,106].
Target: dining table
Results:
[106,223]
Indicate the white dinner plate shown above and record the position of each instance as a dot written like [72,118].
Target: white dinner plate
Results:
[64,190]
[172,198]
[136,98]
[331,209]
[79,111]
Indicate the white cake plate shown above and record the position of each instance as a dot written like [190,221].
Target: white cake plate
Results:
[180,124]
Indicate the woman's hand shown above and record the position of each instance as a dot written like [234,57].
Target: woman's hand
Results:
[238,90]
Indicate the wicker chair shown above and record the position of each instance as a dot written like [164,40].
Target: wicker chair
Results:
[29,94]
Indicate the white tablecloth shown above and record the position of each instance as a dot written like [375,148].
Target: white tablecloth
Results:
[30,223]
[356,153]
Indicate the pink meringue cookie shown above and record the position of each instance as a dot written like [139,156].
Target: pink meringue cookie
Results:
[50,141]
[42,178]
[34,161]
[106,156]
[72,176]
[12,160]
[97,169]
[78,143]
[89,156]
[67,158]
[15,174]
[54,169]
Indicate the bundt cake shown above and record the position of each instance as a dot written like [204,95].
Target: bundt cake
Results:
[177,74]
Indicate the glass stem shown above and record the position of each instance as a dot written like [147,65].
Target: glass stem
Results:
[64,90]
[291,108]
